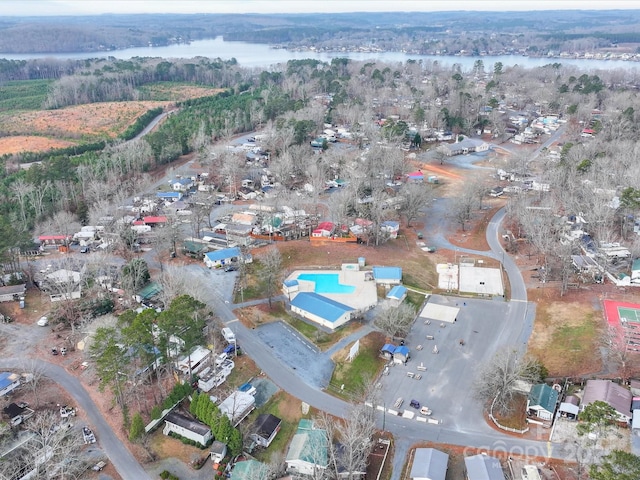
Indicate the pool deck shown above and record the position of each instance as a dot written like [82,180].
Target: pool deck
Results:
[363,297]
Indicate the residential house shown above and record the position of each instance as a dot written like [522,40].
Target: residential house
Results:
[249,470]
[390,228]
[222,257]
[309,449]
[181,184]
[169,196]
[322,310]
[466,146]
[264,429]
[611,393]
[54,240]
[483,467]
[324,229]
[387,275]
[12,293]
[542,401]
[8,382]
[237,406]
[187,427]
[429,464]
[415,177]
[148,292]
[397,295]
[152,221]
[62,284]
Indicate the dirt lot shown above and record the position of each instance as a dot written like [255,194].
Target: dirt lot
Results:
[87,122]
[30,143]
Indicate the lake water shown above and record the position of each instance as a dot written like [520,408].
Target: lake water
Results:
[263,56]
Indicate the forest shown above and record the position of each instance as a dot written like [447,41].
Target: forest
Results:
[423,32]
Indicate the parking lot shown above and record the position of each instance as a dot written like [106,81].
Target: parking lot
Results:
[446,386]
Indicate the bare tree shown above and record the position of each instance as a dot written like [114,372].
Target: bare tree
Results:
[34,371]
[395,321]
[417,197]
[54,450]
[271,269]
[497,379]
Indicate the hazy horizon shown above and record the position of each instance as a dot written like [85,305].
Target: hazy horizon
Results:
[31,8]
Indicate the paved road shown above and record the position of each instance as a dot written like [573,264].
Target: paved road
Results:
[123,461]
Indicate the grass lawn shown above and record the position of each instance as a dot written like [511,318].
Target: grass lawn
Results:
[287,408]
[358,374]
[564,338]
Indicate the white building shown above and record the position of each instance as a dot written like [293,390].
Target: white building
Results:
[237,406]
[187,427]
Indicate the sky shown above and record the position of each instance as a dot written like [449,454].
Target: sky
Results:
[91,7]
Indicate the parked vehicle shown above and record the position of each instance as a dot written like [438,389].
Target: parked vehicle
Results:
[228,335]
[425,411]
[43,321]
[415,404]
[99,466]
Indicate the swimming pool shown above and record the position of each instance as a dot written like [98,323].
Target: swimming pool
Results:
[327,283]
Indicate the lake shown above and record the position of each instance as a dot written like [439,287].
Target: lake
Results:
[263,56]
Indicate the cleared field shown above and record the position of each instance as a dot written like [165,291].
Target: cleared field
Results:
[30,143]
[83,122]
[176,92]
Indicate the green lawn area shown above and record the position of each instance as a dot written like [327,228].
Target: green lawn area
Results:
[287,408]
[358,374]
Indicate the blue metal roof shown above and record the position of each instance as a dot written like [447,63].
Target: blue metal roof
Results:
[169,195]
[320,306]
[223,254]
[5,379]
[401,350]
[290,283]
[387,273]
[397,292]
[388,347]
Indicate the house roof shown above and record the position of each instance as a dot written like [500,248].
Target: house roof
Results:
[321,306]
[309,445]
[223,254]
[44,238]
[605,390]
[544,396]
[290,283]
[416,174]
[236,403]
[188,423]
[266,424]
[328,226]
[218,447]
[13,289]
[151,289]
[169,195]
[7,378]
[429,463]
[154,219]
[249,470]
[483,467]
[635,266]
[387,273]
[397,292]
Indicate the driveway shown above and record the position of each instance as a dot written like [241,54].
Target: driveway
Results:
[124,462]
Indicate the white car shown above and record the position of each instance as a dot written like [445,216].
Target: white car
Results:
[43,321]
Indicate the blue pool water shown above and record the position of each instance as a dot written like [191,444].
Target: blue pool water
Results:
[327,283]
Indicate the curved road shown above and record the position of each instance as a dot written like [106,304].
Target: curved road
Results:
[123,461]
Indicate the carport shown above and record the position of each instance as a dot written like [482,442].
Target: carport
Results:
[439,313]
